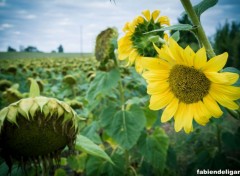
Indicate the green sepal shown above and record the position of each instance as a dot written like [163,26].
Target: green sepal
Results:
[41,101]
[52,105]
[33,109]
[65,106]
[3,113]
[60,111]
[24,106]
[67,116]
[12,114]
[46,110]
[34,88]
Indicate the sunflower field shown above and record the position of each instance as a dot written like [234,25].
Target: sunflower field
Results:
[141,105]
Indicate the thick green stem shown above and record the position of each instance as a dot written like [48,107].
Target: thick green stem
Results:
[199,31]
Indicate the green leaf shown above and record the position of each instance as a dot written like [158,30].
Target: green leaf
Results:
[203,6]
[124,126]
[60,172]
[86,145]
[91,132]
[176,36]
[34,88]
[94,166]
[103,83]
[177,27]
[119,168]
[154,148]
[151,117]
[77,163]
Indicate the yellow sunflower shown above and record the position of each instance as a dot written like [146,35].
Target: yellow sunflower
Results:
[136,44]
[187,86]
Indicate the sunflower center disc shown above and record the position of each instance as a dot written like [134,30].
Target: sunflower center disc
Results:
[188,84]
[141,40]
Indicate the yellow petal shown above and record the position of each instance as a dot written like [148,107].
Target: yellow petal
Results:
[164,20]
[138,65]
[157,87]
[176,51]
[155,64]
[200,58]
[230,91]
[132,57]
[160,75]
[189,56]
[212,106]
[224,100]
[146,14]
[155,14]
[159,101]
[179,117]
[201,114]
[170,110]
[216,63]
[226,78]
[165,54]
[188,117]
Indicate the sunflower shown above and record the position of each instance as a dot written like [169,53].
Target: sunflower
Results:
[188,87]
[136,44]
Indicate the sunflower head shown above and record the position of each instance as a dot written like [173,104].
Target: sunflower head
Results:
[35,130]
[137,42]
[105,46]
[188,87]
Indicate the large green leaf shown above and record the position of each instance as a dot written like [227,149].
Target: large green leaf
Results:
[91,132]
[124,126]
[102,83]
[203,6]
[154,148]
[86,145]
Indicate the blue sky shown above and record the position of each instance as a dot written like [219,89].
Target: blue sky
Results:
[48,23]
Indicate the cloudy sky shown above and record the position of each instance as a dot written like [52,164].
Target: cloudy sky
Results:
[48,23]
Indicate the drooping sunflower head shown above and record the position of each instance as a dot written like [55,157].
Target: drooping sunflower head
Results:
[187,86]
[36,130]
[137,41]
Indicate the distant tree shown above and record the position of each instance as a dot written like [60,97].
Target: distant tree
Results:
[31,49]
[227,39]
[60,49]
[10,49]
[187,37]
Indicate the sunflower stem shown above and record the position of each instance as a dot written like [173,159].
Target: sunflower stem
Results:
[199,31]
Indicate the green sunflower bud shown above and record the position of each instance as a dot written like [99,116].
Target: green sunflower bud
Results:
[36,130]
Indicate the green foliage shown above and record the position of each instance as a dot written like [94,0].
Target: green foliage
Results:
[86,145]
[124,126]
[116,125]
[103,83]
[154,148]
